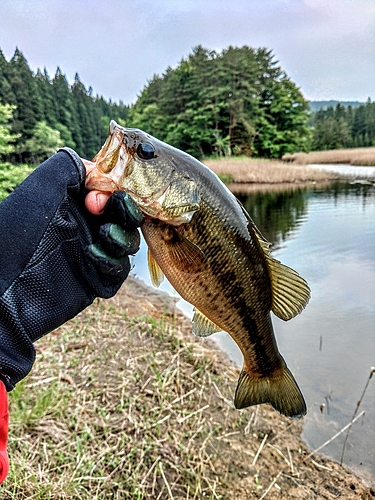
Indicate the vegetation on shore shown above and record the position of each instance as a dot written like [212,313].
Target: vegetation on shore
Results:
[123,402]
[49,112]
[11,176]
[353,156]
[238,101]
[250,171]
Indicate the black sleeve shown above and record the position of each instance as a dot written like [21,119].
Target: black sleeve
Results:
[47,273]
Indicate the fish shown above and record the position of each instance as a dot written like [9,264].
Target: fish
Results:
[201,238]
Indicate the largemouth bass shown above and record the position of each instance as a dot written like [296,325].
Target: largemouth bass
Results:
[203,240]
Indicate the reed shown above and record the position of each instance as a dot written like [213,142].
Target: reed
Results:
[250,171]
[354,156]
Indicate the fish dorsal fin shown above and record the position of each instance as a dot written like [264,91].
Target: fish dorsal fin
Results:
[156,273]
[290,292]
[186,255]
[202,326]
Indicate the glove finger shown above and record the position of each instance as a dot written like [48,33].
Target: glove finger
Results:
[122,210]
[118,242]
[109,266]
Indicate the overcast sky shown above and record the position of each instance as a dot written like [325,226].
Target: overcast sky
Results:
[327,47]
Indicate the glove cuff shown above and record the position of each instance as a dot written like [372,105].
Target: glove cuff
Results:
[77,162]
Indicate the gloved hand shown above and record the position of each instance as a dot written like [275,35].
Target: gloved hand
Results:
[56,257]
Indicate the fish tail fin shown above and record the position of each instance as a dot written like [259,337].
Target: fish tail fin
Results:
[280,390]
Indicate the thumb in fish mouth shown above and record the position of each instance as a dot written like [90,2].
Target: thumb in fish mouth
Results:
[96,201]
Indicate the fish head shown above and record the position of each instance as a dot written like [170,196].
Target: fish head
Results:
[153,173]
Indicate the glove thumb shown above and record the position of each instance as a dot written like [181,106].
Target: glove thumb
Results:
[4,418]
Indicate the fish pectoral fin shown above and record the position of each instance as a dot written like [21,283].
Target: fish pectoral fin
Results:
[185,254]
[280,390]
[290,292]
[156,273]
[202,326]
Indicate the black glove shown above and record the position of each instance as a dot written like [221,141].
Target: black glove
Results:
[56,257]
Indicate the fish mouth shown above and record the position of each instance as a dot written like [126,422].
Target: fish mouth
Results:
[110,162]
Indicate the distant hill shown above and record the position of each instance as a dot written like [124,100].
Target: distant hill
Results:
[316,105]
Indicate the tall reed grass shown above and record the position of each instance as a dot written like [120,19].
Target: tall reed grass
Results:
[354,156]
[248,170]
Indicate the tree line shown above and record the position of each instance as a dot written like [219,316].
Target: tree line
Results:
[235,102]
[44,113]
[238,101]
[344,127]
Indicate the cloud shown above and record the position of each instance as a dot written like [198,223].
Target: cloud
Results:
[328,48]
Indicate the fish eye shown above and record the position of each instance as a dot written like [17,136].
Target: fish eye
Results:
[146,151]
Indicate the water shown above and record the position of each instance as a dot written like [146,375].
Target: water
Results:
[328,236]
[347,169]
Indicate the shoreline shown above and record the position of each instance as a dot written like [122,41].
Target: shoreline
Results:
[124,401]
[160,300]
[242,171]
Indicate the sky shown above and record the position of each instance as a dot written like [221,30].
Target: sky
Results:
[327,47]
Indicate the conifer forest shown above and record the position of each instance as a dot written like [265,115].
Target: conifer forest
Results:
[236,102]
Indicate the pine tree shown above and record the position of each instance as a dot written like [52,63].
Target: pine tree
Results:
[45,90]
[66,113]
[6,93]
[29,106]
[89,127]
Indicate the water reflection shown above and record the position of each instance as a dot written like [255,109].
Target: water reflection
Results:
[276,213]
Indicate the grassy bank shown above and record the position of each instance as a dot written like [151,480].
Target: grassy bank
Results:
[124,403]
[355,156]
[250,171]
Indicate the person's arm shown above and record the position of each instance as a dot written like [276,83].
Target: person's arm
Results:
[56,257]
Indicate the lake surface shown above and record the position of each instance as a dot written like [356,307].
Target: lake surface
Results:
[328,236]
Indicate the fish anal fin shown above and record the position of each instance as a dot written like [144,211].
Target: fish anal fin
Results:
[156,273]
[290,292]
[202,326]
[280,390]
[186,256]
